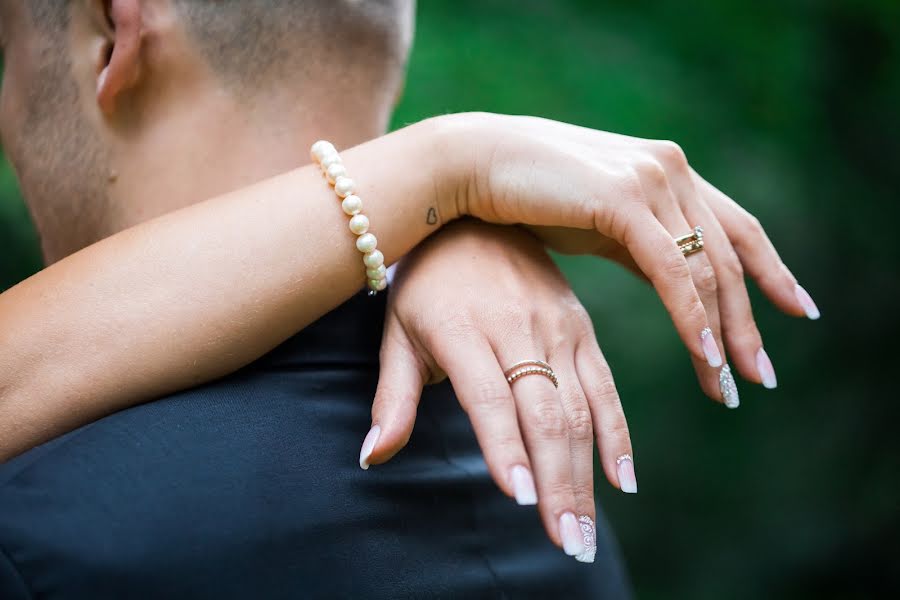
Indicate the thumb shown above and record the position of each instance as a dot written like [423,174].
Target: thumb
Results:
[400,381]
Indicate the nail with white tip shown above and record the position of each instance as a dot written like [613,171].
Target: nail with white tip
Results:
[710,348]
[806,301]
[523,486]
[766,370]
[625,471]
[368,446]
[570,532]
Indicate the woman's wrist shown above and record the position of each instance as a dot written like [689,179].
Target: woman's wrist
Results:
[455,143]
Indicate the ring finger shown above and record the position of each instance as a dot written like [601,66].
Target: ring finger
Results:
[544,427]
[714,375]
[581,444]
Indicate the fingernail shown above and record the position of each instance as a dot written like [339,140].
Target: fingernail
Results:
[766,370]
[570,532]
[368,446]
[627,480]
[523,486]
[806,301]
[710,348]
[588,538]
[728,388]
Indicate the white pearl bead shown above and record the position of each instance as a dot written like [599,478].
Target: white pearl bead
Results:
[352,204]
[359,224]
[378,284]
[373,259]
[334,171]
[320,149]
[379,273]
[330,159]
[366,242]
[343,186]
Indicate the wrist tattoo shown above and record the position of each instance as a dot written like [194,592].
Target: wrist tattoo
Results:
[432,217]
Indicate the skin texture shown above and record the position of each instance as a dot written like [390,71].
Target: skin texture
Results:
[164,133]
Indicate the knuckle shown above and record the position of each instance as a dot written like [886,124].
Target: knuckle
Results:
[674,266]
[705,279]
[549,421]
[559,494]
[617,428]
[670,153]
[732,267]
[695,312]
[455,326]
[492,394]
[754,226]
[581,427]
[604,391]
[652,172]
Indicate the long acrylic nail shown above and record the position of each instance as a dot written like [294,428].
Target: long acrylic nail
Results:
[523,486]
[766,370]
[570,532]
[728,388]
[806,301]
[710,348]
[588,538]
[368,446]
[625,469]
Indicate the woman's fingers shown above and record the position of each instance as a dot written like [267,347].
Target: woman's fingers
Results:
[741,335]
[484,394]
[401,377]
[670,215]
[546,432]
[656,254]
[581,445]
[757,254]
[610,426]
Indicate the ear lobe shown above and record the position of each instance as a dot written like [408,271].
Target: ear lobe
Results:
[122,69]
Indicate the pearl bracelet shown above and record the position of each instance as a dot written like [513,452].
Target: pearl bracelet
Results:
[327,157]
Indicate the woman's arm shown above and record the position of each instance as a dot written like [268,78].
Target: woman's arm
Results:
[198,293]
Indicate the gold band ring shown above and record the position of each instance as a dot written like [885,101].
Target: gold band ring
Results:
[531,367]
[692,242]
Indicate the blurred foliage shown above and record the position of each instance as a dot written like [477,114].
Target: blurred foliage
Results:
[792,109]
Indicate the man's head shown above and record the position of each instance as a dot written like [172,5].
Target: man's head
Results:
[114,111]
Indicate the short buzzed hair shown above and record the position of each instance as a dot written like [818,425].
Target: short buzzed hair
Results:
[250,41]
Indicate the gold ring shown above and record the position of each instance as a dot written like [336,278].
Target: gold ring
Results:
[531,367]
[692,242]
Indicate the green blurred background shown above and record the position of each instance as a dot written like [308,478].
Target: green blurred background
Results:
[792,108]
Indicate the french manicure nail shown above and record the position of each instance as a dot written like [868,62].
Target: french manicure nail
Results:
[766,370]
[588,538]
[368,446]
[625,469]
[710,348]
[523,486]
[806,301]
[728,388]
[570,532]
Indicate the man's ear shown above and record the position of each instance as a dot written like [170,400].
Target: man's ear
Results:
[121,61]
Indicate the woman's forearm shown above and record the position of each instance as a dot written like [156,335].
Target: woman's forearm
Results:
[198,293]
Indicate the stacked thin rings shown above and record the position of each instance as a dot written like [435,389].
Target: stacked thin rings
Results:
[531,367]
[692,242]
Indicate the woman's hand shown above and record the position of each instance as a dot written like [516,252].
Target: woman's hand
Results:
[587,191]
[470,303]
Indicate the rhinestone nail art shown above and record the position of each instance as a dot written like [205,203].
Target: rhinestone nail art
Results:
[728,388]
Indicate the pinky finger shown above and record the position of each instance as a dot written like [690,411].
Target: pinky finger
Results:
[758,254]
[610,425]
